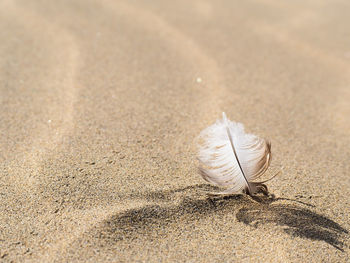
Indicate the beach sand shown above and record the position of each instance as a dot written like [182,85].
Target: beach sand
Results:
[101,101]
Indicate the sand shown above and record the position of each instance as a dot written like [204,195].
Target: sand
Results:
[101,101]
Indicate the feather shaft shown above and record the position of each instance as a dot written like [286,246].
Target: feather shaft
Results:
[235,153]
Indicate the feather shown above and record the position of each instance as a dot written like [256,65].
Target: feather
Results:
[231,158]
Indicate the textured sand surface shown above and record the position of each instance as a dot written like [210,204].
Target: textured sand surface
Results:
[100,103]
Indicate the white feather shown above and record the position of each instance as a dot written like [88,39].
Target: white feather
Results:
[231,158]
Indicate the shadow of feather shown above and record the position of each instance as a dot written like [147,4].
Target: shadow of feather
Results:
[296,221]
[168,195]
[152,221]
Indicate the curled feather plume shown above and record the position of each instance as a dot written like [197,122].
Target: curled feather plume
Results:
[231,158]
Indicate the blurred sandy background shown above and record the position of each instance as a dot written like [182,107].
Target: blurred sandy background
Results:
[100,103]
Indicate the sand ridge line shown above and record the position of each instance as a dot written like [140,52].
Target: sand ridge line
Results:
[62,76]
[340,67]
[209,71]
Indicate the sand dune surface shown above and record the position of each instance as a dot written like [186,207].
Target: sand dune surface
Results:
[100,104]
